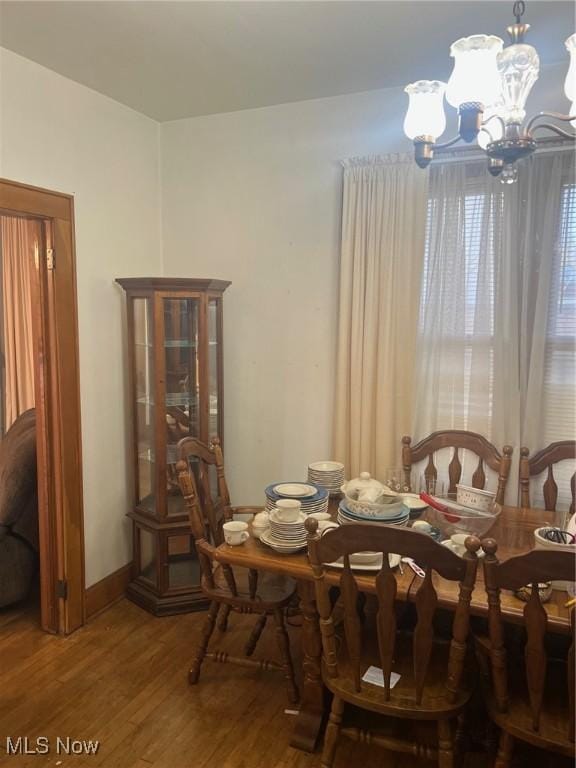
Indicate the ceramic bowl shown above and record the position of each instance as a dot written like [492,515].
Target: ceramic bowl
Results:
[542,543]
[474,498]
[364,558]
[375,508]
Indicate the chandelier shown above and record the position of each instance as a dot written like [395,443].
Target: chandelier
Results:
[489,86]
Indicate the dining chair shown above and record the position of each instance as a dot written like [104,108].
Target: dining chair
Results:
[542,461]
[229,589]
[531,701]
[423,678]
[458,439]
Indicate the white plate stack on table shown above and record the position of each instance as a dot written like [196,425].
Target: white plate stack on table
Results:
[312,498]
[327,474]
[395,514]
[366,561]
[287,533]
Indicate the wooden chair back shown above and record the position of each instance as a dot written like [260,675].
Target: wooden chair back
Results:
[532,568]
[207,464]
[458,440]
[346,540]
[204,548]
[542,461]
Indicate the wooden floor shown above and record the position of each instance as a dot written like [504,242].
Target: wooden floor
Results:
[121,680]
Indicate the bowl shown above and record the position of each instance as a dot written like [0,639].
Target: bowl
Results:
[475,498]
[364,558]
[374,508]
[462,521]
[326,466]
[540,542]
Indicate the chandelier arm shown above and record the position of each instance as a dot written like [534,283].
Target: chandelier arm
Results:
[554,115]
[450,143]
[555,129]
[494,117]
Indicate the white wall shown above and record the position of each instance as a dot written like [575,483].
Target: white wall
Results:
[254,197]
[57,134]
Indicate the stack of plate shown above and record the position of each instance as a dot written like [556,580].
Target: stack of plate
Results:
[312,497]
[346,516]
[327,474]
[285,537]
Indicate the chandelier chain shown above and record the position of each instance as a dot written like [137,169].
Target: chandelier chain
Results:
[518,10]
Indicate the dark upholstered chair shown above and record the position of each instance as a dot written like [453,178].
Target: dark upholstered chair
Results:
[18,509]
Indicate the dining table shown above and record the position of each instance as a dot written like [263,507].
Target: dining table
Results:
[513,530]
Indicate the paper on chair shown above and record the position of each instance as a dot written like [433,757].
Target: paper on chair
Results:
[375,676]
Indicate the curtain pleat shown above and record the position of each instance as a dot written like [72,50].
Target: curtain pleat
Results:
[19,239]
[383,227]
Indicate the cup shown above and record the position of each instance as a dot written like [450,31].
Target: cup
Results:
[326,525]
[288,510]
[458,542]
[235,532]
[431,487]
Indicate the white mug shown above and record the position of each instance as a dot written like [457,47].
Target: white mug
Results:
[235,532]
[288,510]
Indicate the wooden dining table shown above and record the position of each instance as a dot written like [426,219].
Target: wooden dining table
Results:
[513,530]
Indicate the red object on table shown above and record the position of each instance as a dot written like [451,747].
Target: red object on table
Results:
[449,514]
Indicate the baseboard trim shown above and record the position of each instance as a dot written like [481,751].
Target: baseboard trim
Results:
[104,593]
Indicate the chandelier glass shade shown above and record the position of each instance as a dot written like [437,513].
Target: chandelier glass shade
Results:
[489,86]
[425,115]
[475,76]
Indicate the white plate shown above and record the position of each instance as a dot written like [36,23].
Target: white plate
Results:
[326,466]
[413,501]
[280,546]
[393,559]
[292,490]
[275,519]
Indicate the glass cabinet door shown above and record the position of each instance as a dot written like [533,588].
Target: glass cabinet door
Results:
[214,372]
[142,318]
[182,385]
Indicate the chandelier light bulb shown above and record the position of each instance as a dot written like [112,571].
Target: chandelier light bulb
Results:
[492,129]
[425,115]
[475,77]
[570,82]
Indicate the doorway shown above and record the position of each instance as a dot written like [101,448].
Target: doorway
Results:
[57,402]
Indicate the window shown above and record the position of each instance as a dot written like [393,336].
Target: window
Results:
[497,324]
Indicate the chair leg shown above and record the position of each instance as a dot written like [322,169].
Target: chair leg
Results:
[284,648]
[445,744]
[222,623]
[332,732]
[255,635]
[505,749]
[207,631]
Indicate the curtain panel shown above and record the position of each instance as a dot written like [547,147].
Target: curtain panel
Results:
[19,238]
[457,307]
[383,231]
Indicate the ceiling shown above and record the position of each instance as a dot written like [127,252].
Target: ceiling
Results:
[171,60]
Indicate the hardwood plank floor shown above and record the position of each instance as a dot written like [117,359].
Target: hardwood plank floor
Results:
[122,680]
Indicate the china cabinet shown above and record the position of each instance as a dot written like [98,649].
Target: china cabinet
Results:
[175,364]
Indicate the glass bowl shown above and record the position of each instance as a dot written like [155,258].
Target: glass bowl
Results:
[458,519]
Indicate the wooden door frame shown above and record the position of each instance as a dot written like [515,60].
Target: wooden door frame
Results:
[61,518]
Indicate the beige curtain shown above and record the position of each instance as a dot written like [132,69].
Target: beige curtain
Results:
[383,236]
[19,238]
